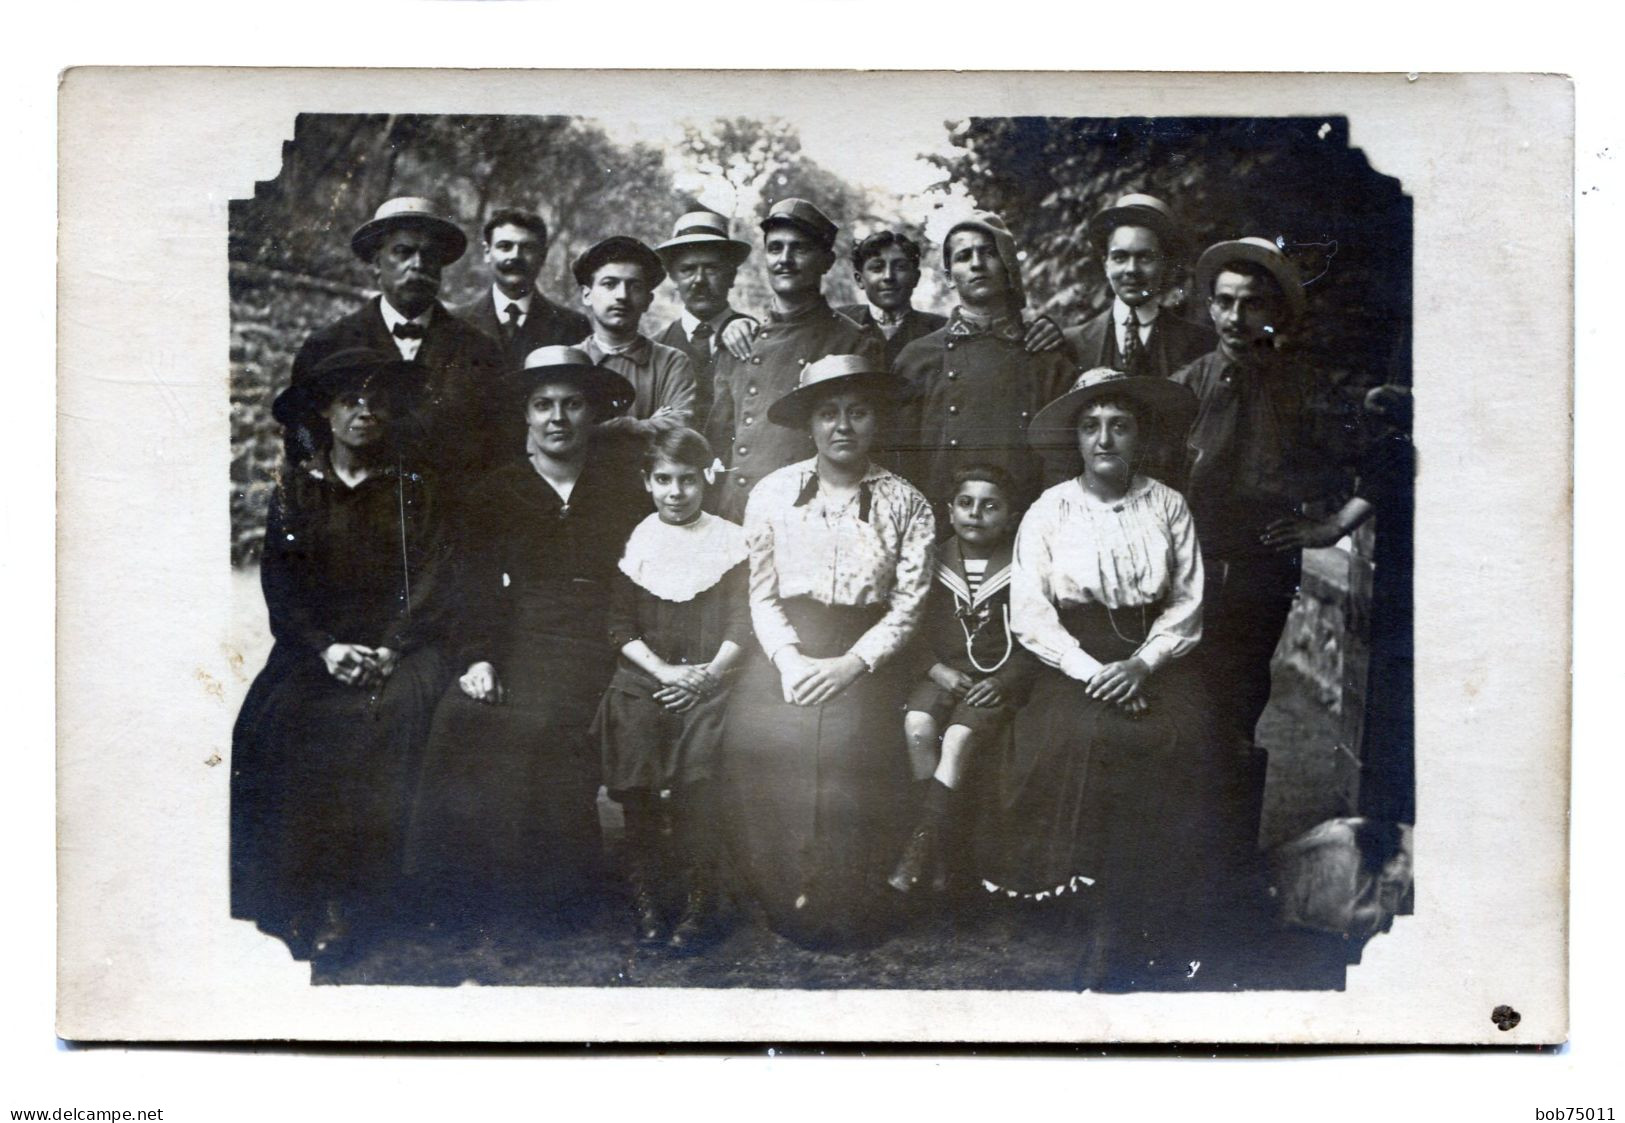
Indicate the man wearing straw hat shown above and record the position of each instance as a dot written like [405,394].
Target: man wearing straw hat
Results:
[461,429]
[513,310]
[1251,463]
[702,262]
[798,242]
[973,387]
[1141,245]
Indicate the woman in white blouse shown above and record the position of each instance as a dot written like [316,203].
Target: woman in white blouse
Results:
[1103,797]
[814,761]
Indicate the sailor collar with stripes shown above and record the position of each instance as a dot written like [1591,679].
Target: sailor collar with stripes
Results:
[951,575]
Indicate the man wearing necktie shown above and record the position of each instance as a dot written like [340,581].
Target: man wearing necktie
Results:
[1141,246]
[702,262]
[513,311]
[1253,461]
[458,430]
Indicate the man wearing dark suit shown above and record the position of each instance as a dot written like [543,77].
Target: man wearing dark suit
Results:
[702,261]
[886,266]
[1141,244]
[513,311]
[463,426]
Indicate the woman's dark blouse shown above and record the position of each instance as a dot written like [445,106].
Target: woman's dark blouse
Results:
[533,563]
[338,567]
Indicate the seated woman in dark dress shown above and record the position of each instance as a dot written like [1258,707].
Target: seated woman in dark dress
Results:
[505,819]
[815,766]
[1106,797]
[325,747]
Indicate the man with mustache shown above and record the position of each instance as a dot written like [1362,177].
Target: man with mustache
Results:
[618,277]
[1253,461]
[1141,246]
[973,387]
[703,262]
[798,242]
[513,311]
[460,428]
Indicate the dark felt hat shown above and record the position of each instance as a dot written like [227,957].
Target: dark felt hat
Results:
[399,381]
[805,217]
[833,374]
[409,210]
[701,228]
[610,393]
[618,248]
[1140,210]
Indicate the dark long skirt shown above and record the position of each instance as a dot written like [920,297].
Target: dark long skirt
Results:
[817,796]
[505,823]
[321,775]
[1114,813]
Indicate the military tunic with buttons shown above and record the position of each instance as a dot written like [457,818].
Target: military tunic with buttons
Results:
[971,393]
[746,387]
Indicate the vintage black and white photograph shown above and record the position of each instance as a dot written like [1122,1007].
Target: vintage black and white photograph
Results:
[698,547]
[695,556]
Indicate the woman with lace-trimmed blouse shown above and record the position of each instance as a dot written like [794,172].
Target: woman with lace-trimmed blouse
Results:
[815,768]
[1106,794]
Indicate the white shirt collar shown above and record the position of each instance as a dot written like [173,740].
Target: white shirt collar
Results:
[1147,312]
[502,300]
[392,316]
[690,321]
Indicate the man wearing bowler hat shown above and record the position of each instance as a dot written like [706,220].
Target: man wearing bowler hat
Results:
[1252,462]
[460,428]
[513,310]
[702,262]
[1141,245]
[798,243]
[618,277]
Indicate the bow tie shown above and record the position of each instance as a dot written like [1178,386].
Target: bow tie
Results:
[407,331]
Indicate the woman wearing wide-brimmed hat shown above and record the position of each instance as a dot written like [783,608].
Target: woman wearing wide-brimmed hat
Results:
[505,820]
[1102,798]
[815,767]
[325,745]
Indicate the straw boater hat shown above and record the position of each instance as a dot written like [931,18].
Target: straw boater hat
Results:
[833,374]
[1259,251]
[1169,404]
[702,228]
[804,217]
[388,374]
[1140,210]
[618,248]
[993,226]
[408,210]
[609,392]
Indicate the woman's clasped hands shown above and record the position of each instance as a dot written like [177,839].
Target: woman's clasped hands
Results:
[812,682]
[682,685]
[1122,683]
[356,665]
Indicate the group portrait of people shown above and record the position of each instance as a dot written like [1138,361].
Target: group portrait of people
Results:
[858,613]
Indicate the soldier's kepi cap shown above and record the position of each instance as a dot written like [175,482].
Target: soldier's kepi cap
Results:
[618,248]
[833,374]
[993,226]
[804,217]
[1140,210]
[609,392]
[1259,251]
[409,210]
[702,228]
[396,382]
